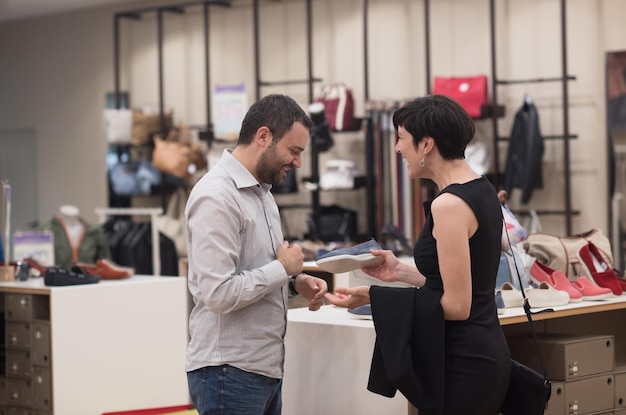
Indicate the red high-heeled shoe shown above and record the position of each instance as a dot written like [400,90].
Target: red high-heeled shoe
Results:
[597,268]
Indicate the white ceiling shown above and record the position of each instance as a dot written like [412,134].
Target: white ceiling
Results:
[22,9]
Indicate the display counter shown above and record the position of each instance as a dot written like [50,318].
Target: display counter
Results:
[329,353]
[112,346]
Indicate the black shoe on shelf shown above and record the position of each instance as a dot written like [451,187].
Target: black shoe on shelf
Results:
[58,277]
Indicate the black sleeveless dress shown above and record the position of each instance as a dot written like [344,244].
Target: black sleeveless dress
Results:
[476,356]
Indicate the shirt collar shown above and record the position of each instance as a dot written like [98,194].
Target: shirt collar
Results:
[242,176]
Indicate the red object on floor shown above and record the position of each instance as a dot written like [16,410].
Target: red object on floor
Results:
[153,411]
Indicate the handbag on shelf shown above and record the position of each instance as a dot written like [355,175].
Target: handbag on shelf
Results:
[529,391]
[338,106]
[146,124]
[134,178]
[561,252]
[469,91]
[118,125]
[171,155]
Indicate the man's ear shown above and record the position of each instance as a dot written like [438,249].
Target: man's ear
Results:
[264,136]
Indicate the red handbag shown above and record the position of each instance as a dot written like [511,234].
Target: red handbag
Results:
[470,91]
[338,106]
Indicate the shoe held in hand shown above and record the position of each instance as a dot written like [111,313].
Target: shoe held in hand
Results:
[350,258]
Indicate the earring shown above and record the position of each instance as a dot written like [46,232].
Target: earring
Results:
[422,162]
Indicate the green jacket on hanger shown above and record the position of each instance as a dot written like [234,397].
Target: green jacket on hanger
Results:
[92,246]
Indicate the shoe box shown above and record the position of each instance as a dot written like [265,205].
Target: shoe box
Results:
[582,369]
[567,357]
[556,404]
[620,387]
[589,395]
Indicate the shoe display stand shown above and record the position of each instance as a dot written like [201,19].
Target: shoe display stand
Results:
[345,344]
[112,346]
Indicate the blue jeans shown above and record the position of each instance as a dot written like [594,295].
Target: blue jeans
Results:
[226,390]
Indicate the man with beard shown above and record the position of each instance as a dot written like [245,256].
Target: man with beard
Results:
[241,271]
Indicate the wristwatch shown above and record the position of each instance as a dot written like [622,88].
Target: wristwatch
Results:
[292,285]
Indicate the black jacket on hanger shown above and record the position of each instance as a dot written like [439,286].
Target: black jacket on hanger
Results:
[523,162]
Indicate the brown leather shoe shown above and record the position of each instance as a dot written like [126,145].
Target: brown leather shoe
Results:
[106,269]
[32,262]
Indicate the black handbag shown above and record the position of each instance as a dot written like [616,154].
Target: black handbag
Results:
[529,391]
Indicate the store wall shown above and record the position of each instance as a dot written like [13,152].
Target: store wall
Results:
[56,70]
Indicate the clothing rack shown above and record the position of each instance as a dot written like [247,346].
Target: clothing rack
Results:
[153,213]
[393,196]
[564,79]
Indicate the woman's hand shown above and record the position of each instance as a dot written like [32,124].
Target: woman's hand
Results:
[349,297]
[387,271]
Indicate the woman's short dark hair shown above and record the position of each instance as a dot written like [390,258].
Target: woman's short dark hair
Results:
[276,112]
[441,118]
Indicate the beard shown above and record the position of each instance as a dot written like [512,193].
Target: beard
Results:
[270,167]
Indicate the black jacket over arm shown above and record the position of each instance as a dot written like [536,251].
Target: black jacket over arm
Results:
[409,349]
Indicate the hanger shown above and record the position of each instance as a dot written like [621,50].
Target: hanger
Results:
[527,99]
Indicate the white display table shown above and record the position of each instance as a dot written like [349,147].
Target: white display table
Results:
[329,354]
[327,363]
[115,345]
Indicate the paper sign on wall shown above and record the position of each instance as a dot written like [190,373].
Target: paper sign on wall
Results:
[230,104]
[36,245]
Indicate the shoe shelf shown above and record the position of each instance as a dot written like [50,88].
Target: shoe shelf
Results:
[516,315]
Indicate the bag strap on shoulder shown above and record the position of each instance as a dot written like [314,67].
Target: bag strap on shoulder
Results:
[529,313]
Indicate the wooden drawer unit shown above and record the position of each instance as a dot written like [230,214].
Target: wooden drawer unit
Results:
[19,392]
[26,388]
[26,307]
[51,334]
[30,337]
[18,364]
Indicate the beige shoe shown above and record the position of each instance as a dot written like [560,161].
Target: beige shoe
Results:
[546,295]
[511,296]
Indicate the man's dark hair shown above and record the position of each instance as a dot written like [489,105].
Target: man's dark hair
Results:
[276,112]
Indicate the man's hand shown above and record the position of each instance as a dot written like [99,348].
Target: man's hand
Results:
[311,288]
[291,257]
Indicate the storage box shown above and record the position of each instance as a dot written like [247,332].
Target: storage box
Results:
[589,395]
[620,388]
[556,404]
[567,357]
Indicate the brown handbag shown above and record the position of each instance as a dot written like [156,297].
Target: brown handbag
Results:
[144,125]
[561,252]
[171,157]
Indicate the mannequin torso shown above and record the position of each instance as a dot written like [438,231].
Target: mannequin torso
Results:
[74,228]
